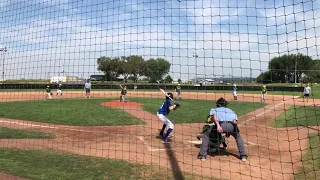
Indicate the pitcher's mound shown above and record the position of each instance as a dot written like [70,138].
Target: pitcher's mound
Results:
[120,104]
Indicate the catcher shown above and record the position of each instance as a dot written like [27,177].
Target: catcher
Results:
[123,93]
[211,139]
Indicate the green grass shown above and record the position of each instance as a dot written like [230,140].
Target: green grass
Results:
[43,165]
[7,133]
[78,112]
[194,111]
[298,116]
[311,160]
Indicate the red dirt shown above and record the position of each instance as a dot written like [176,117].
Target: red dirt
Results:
[120,104]
[273,153]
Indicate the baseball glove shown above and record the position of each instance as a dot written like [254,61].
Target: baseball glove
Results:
[199,135]
[51,94]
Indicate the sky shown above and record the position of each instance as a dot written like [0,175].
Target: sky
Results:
[232,38]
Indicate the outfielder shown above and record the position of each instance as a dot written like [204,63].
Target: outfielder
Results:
[306,92]
[235,96]
[164,110]
[263,94]
[48,93]
[59,90]
[226,121]
[123,93]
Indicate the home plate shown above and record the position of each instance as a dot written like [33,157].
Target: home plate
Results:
[195,142]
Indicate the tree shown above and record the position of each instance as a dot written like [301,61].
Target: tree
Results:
[264,77]
[112,68]
[283,67]
[168,79]
[179,81]
[156,69]
[314,73]
[136,66]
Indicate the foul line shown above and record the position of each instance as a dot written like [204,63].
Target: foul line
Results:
[282,102]
[45,126]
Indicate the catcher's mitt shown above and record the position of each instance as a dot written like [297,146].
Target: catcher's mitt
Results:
[51,94]
[199,135]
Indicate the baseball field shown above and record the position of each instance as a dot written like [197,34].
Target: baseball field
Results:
[71,137]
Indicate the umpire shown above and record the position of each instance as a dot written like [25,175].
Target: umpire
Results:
[226,121]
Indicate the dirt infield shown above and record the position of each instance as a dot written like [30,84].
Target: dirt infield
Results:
[273,153]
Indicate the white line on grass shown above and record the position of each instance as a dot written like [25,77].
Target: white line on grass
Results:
[45,126]
[282,102]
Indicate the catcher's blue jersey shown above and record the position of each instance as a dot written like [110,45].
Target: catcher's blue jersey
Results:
[164,109]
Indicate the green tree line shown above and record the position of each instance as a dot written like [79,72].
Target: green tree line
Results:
[134,67]
[291,68]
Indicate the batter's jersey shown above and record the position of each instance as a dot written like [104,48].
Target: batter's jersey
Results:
[223,114]
[59,87]
[164,109]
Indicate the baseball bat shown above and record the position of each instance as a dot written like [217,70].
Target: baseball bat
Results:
[121,86]
[163,92]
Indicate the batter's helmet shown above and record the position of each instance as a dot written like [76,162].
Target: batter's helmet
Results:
[221,102]
[170,95]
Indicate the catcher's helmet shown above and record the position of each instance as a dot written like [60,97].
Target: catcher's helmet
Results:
[210,119]
[170,95]
[221,102]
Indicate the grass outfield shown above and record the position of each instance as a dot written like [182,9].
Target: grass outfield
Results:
[194,111]
[298,116]
[43,165]
[311,160]
[7,133]
[77,112]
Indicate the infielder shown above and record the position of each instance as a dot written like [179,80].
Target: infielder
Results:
[235,96]
[178,92]
[87,87]
[48,93]
[306,92]
[226,121]
[164,110]
[123,93]
[263,94]
[59,90]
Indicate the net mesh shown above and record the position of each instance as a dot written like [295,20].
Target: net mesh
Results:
[111,57]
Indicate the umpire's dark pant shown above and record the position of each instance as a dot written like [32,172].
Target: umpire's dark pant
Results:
[229,129]
[232,129]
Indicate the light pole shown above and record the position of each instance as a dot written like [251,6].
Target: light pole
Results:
[4,49]
[195,55]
